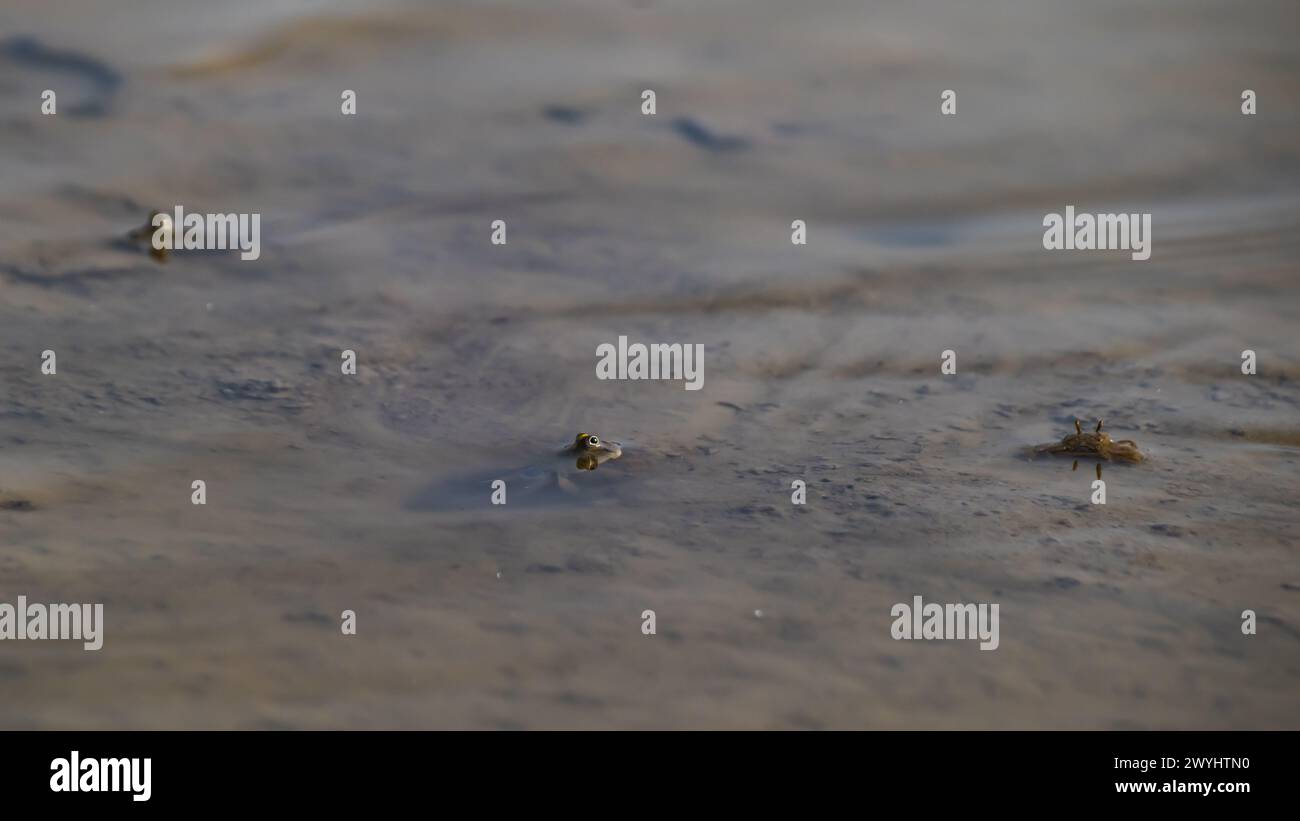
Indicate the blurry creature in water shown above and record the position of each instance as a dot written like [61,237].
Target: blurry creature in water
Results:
[562,477]
[145,234]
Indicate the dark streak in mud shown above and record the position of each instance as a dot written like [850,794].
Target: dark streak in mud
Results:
[259,389]
[32,53]
[564,114]
[696,134]
[75,282]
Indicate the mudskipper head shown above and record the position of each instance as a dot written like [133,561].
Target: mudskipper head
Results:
[593,450]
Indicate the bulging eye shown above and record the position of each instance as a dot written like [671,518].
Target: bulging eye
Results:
[593,441]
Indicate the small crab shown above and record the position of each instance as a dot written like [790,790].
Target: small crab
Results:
[1097,445]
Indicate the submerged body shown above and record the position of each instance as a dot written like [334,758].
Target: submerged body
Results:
[559,480]
[592,451]
[1097,445]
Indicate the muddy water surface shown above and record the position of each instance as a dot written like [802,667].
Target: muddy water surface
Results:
[329,492]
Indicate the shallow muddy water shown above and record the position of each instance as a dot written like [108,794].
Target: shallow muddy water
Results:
[328,492]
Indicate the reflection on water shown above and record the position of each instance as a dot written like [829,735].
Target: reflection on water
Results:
[1075,467]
